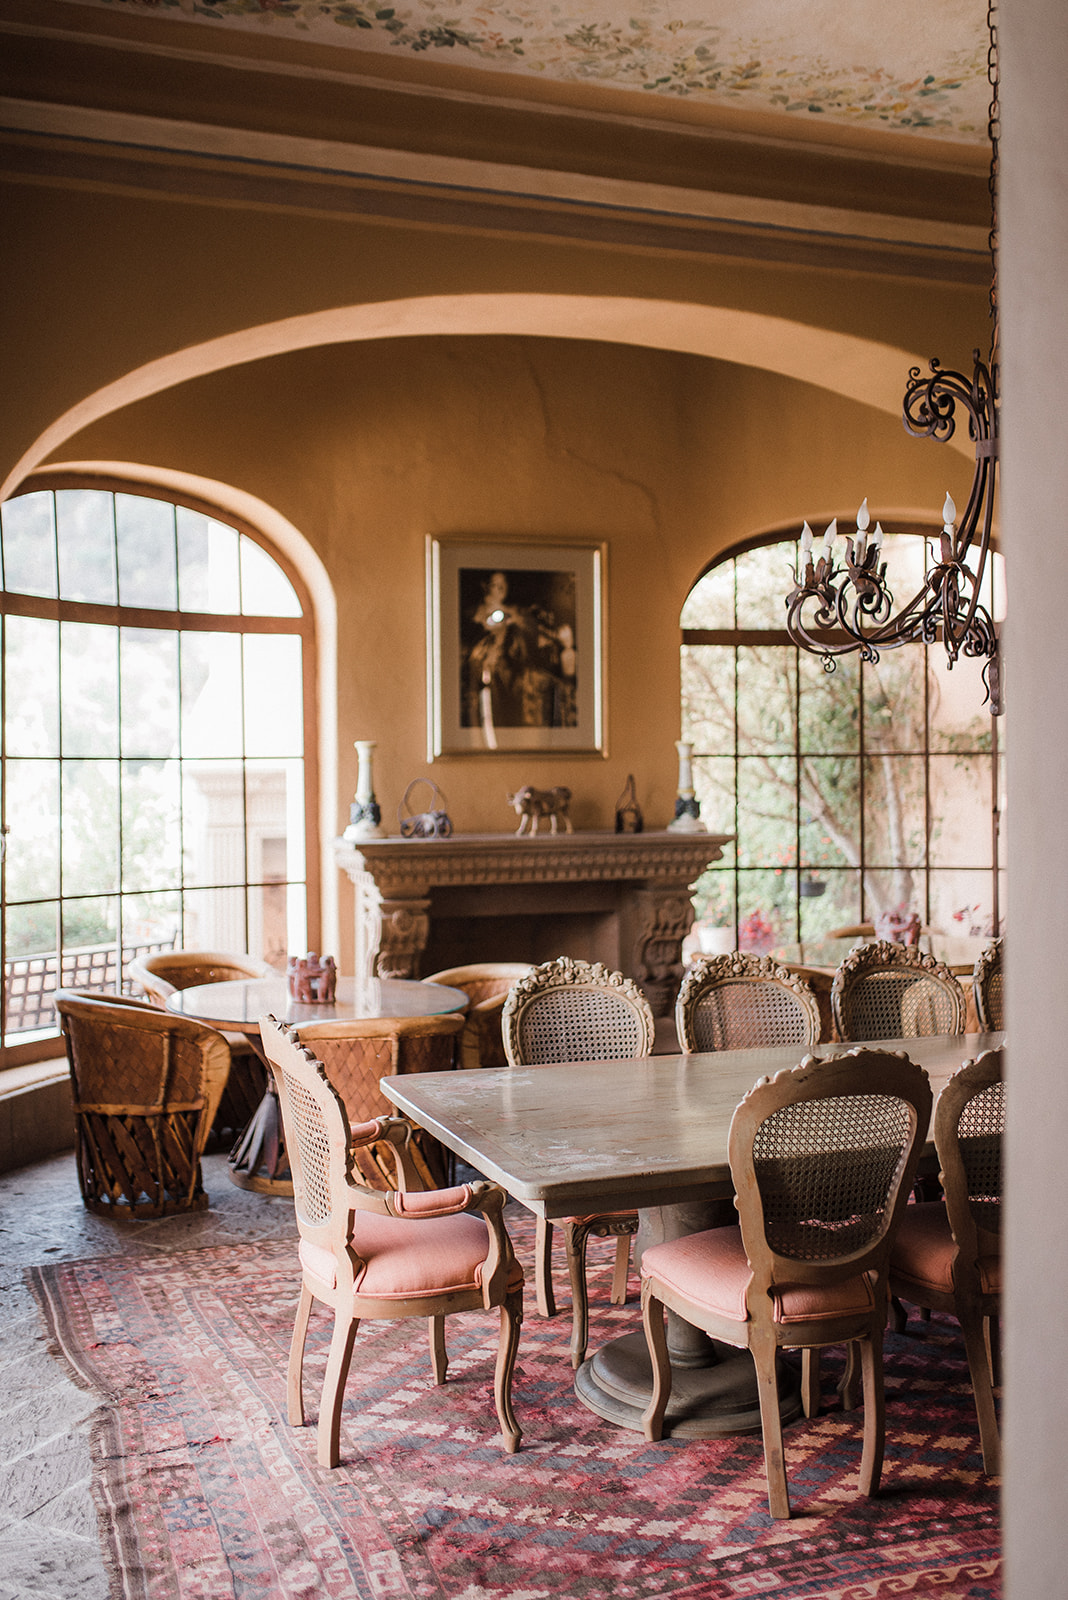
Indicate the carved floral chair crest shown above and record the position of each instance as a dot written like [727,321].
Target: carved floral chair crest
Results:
[742,1001]
[894,991]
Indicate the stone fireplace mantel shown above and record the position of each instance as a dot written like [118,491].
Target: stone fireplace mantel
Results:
[425,904]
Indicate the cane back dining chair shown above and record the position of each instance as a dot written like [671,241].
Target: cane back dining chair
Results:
[947,1256]
[822,1158]
[567,1010]
[159,975]
[146,1087]
[408,1252]
[742,1001]
[988,988]
[895,991]
[486,985]
[357,1054]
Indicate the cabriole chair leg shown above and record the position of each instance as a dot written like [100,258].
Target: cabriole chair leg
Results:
[508,1345]
[337,1370]
[543,1268]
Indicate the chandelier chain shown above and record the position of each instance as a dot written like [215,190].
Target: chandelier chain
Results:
[841,601]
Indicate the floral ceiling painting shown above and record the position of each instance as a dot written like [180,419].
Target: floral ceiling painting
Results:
[909,67]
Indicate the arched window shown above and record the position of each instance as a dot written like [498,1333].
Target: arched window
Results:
[849,794]
[157,676]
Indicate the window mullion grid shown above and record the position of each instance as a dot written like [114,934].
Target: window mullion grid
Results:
[119,909]
[995,828]
[244,789]
[862,825]
[797,795]
[926,787]
[737,779]
[4,825]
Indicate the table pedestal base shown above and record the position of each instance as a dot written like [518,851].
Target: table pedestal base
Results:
[706,1402]
[258,1160]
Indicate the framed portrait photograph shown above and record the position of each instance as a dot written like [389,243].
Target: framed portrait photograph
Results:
[515,636]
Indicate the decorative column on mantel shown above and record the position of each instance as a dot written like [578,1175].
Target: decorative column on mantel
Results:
[645,877]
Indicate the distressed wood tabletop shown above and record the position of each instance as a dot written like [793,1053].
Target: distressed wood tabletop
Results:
[609,1135]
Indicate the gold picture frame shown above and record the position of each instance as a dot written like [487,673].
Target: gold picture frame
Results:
[515,636]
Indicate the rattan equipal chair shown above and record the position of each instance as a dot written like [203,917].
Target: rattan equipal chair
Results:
[741,1001]
[947,1256]
[486,985]
[894,991]
[988,988]
[146,1087]
[161,974]
[822,1158]
[409,1252]
[563,1011]
[357,1054]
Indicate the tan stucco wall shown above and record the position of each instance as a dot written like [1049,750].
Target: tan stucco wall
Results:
[116,280]
[368,448]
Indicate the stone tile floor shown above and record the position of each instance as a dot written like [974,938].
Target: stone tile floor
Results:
[49,1548]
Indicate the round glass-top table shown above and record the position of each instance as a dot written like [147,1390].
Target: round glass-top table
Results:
[238,1005]
[258,1159]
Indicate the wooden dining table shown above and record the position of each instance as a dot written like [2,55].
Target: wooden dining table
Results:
[258,1159]
[647,1134]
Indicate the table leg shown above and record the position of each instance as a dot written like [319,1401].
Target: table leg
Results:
[713,1389]
[258,1160]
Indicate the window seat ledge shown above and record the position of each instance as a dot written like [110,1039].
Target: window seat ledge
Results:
[36,1119]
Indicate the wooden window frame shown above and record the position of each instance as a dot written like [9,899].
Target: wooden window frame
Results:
[171,621]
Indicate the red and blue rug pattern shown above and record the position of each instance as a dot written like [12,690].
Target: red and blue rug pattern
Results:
[205,1492]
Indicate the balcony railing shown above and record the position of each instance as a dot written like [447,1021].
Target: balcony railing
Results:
[31,981]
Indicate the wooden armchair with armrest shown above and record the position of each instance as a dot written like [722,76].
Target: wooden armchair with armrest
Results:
[409,1252]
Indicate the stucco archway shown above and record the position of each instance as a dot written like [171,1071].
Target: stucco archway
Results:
[863,370]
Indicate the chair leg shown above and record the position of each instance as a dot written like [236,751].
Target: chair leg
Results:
[898,1315]
[511,1321]
[983,1389]
[871,1460]
[576,1238]
[847,1386]
[621,1270]
[767,1375]
[992,1334]
[439,1356]
[295,1375]
[543,1268]
[656,1339]
[810,1381]
[337,1370]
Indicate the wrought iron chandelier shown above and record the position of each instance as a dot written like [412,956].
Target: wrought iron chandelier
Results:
[846,594]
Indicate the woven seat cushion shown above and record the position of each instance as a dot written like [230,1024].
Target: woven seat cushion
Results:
[711,1269]
[432,1256]
[923,1252]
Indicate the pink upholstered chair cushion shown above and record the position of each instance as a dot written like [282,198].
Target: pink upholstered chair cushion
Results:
[924,1250]
[711,1269]
[437,1256]
[366,1132]
[432,1202]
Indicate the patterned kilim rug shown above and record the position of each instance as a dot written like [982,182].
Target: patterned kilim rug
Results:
[205,1492]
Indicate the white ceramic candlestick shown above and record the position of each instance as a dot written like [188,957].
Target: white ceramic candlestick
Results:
[687,818]
[365,816]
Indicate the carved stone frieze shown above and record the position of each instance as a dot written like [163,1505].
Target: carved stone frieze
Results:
[649,873]
[665,917]
[405,867]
